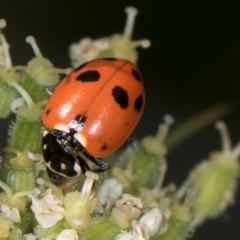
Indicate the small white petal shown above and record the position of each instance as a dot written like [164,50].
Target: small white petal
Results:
[13,215]
[47,220]
[68,234]
[139,231]
[17,103]
[4,208]
[86,50]
[10,214]
[51,199]
[46,214]
[111,189]
[34,157]
[125,236]
[28,236]
[152,220]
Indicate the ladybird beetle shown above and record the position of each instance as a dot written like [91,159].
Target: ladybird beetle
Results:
[89,115]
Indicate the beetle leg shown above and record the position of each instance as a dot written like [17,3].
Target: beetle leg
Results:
[98,161]
[84,166]
[50,89]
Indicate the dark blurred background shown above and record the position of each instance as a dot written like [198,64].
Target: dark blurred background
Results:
[193,63]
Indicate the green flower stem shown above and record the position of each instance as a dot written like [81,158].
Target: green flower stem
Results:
[23,132]
[37,92]
[8,94]
[19,179]
[146,166]
[26,221]
[102,228]
[222,177]
[42,233]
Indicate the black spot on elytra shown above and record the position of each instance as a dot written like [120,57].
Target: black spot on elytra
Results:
[126,123]
[81,119]
[110,59]
[80,67]
[89,76]
[120,96]
[138,103]
[136,75]
[104,147]
[48,111]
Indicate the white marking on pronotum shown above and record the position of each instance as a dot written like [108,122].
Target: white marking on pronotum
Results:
[80,137]
[62,127]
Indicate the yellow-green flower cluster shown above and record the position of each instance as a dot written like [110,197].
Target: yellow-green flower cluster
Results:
[117,45]
[127,202]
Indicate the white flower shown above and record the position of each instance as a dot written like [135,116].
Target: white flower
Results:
[5,59]
[68,234]
[152,220]
[147,226]
[126,209]
[138,232]
[133,205]
[125,236]
[28,236]
[47,210]
[110,190]
[87,49]
[117,45]
[10,214]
